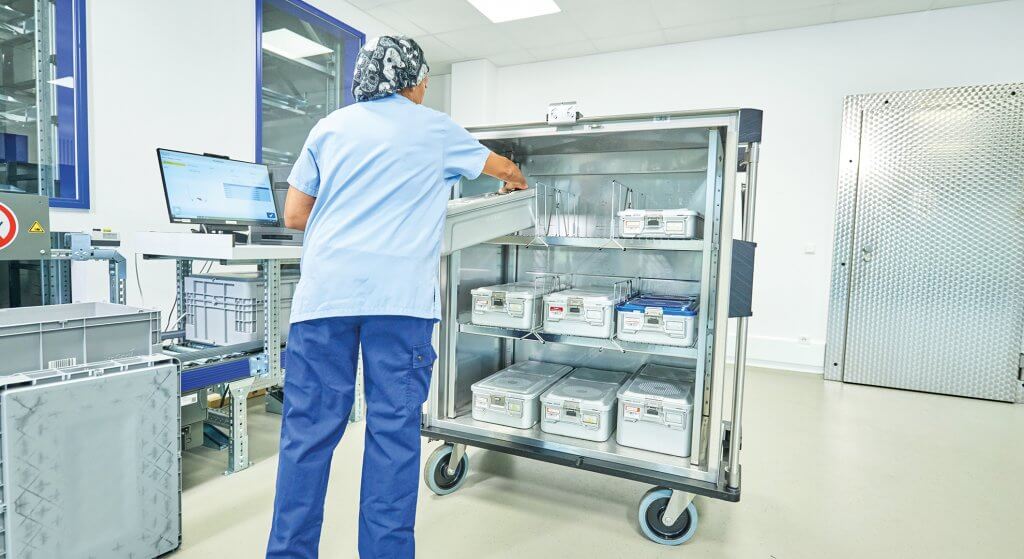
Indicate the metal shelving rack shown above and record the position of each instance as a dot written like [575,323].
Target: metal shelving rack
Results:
[687,159]
[240,369]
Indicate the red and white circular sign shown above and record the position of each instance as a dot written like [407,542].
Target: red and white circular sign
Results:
[8,226]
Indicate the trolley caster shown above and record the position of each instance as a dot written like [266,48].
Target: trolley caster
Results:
[652,508]
[439,477]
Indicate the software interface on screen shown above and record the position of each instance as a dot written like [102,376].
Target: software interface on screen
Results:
[209,189]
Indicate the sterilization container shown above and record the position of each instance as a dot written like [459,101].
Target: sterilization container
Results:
[227,309]
[512,396]
[512,305]
[579,312]
[33,338]
[582,405]
[656,319]
[660,224]
[655,410]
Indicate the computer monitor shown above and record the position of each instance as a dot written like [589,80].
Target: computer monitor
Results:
[211,190]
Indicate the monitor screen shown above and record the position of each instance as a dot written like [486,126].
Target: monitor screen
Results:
[212,190]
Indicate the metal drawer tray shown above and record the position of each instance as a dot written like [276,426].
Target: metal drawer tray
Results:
[478,219]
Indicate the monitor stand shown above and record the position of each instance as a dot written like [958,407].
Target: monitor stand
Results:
[240,234]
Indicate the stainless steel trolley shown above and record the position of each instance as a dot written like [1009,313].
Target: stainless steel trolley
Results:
[586,172]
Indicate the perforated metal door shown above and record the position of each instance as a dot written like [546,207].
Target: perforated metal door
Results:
[935,254]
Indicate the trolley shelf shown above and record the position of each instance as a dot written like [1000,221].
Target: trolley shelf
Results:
[467,327]
[606,457]
[694,245]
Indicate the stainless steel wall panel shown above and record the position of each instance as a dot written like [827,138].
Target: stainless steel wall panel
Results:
[846,197]
[935,248]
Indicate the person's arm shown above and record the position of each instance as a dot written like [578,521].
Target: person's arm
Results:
[297,207]
[503,169]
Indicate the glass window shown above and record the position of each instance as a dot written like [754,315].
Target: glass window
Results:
[304,72]
[43,131]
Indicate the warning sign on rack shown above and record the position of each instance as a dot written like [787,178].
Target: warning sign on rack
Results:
[8,226]
[36,228]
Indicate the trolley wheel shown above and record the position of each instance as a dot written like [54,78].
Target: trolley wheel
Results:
[435,473]
[652,506]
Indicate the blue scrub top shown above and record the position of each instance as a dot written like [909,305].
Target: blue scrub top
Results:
[381,172]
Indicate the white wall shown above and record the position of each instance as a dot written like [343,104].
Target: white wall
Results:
[181,78]
[799,77]
[439,93]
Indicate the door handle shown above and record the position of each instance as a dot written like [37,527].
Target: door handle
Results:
[866,253]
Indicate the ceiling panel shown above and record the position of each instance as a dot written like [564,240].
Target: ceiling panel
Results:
[677,13]
[366,4]
[512,58]
[617,19]
[954,3]
[712,30]
[438,16]
[481,41]
[860,9]
[611,43]
[544,31]
[749,8]
[567,50]
[396,20]
[452,30]
[790,19]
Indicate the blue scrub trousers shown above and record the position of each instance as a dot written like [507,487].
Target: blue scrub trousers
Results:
[319,391]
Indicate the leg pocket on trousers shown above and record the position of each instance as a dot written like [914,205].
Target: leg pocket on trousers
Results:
[417,380]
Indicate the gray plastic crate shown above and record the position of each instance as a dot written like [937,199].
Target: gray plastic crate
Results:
[90,462]
[228,309]
[33,338]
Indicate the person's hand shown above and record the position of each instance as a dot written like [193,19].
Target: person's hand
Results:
[512,187]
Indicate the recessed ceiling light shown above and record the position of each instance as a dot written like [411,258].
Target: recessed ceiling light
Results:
[290,44]
[509,10]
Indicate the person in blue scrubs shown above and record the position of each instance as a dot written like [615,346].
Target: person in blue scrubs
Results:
[370,189]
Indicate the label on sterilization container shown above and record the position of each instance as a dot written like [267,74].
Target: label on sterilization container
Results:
[556,311]
[675,418]
[515,407]
[632,322]
[480,304]
[482,401]
[591,420]
[675,226]
[634,226]
[552,413]
[631,412]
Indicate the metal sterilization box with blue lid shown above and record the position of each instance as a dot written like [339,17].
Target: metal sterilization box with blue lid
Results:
[659,319]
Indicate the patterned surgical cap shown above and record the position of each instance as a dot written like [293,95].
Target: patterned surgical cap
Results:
[387,65]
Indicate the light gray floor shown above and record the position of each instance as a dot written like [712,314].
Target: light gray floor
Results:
[831,470]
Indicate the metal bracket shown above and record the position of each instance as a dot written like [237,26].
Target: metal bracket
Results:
[238,446]
[458,451]
[677,504]
[259,365]
[560,114]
